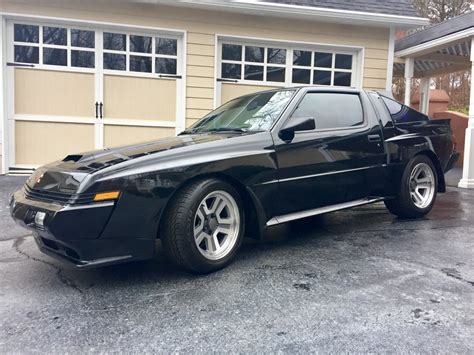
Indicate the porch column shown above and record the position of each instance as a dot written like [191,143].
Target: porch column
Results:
[467,180]
[409,66]
[425,95]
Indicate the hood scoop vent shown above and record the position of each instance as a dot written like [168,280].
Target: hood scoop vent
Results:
[74,158]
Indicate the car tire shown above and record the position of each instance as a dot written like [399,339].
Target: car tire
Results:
[198,235]
[418,189]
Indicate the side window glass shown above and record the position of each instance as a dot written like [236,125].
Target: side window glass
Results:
[381,109]
[401,113]
[331,110]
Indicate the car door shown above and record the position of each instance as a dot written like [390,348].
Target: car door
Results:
[328,165]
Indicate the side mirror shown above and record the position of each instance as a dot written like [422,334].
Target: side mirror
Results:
[296,124]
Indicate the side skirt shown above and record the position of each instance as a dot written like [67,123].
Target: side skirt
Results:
[308,213]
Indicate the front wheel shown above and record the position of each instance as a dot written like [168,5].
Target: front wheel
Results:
[418,189]
[204,226]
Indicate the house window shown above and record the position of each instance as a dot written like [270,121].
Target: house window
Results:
[63,47]
[253,63]
[137,53]
[322,68]
[284,64]
[59,46]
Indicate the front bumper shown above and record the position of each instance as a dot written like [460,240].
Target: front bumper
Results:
[74,233]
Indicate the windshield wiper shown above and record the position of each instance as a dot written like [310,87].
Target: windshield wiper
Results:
[225,129]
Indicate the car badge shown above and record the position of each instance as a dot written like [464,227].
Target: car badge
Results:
[39,179]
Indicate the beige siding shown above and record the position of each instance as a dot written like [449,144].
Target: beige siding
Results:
[203,26]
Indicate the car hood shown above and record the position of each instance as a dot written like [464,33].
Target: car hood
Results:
[66,175]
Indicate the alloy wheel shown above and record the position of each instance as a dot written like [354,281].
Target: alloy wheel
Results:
[422,185]
[216,225]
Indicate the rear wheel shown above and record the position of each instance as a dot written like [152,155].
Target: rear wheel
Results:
[418,189]
[203,227]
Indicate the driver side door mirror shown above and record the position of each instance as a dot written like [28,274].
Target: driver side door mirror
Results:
[296,124]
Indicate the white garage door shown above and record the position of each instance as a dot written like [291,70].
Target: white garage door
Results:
[245,66]
[77,88]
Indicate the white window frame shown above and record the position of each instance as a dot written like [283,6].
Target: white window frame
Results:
[263,64]
[357,53]
[152,55]
[68,47]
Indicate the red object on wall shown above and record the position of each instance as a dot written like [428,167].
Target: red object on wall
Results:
[458,126]
[439,101]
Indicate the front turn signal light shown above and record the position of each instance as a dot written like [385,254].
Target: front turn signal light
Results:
[111,195]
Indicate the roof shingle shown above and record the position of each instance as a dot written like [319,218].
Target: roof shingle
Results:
[390,7]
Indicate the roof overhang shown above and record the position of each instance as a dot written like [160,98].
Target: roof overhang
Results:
[435,44]
[254,7]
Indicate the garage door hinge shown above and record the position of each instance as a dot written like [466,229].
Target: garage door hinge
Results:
[227,80]
[169,76]
[20,65]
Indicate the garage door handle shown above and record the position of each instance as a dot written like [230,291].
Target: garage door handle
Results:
[96,109]
[24,65]
[101,105]
[224,80]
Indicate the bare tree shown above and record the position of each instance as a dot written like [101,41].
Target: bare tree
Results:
[455,84]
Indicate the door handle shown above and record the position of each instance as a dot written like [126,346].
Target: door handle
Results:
[374,138]
[101,105]
[96,109]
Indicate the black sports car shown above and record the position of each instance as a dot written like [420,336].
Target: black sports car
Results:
[257,161]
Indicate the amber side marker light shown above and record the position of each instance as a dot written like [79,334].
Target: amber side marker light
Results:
[111,195]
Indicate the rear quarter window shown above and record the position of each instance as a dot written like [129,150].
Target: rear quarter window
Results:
[401,113]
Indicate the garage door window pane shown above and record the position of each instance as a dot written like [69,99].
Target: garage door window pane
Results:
[231,52]
[140,64]
[342,79]
[114,61]
[276,74]
[254,54]
[26,33]
[301,76]
[343,61]
[167,46]
[115,41]
[54,56]
[253,72]
[276,56]
[323,60]
[322,77]
[80,38]
[82,59]
[140,44]
[26,54]
[231,71]
[331,110]
[165,66]
[54,35]
[302,58]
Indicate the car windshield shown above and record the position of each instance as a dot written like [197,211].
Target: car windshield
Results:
[252,113]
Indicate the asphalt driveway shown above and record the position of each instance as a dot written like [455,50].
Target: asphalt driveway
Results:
[353,281]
